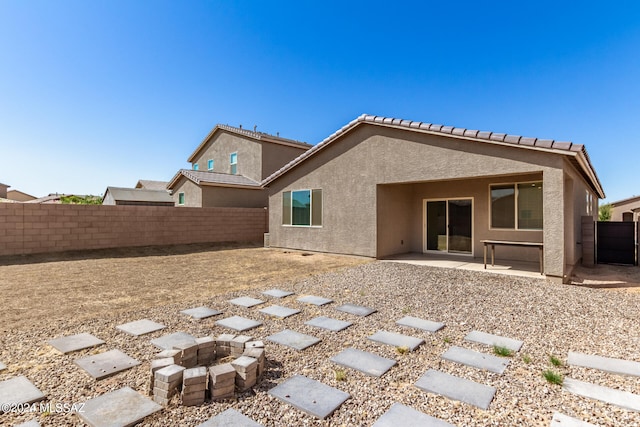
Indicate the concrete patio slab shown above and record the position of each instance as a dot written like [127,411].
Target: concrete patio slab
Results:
[310,396]
[293,339]
[103,365]
[561,420]
[623,399]
[238,323]
[357,310]
[476,359]
[323,322]
[489,339]
[140,327]
[277,293]
[607,364]
[230,418]
[363,361]
[417,323]
[312,299]
[456,388]
[401,415]
[247,302]
[200,313]
[76,342]
[31,423]
[396,340]
[167,342]
[123,407]
[19,390]
[279,311]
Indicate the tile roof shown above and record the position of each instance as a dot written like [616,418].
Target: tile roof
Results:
[152,185]
[214,178]
[259,136]
[625,201]
[139,195]
[549,145]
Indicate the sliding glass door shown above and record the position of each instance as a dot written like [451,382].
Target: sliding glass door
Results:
[449,225]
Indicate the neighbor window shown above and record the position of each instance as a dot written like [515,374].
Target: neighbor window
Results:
[517,206]
[181,198]
[210,165]
[195,167]
[303,208]
[233,160]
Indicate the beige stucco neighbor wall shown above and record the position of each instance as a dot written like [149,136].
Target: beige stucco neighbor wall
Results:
[192,193]
[363,217]
[619,209]
[233,197]
[42,228]
[219,149]
[275,156]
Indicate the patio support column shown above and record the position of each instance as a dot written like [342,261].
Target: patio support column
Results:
[553,224]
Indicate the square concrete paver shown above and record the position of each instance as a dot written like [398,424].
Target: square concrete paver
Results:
[363,361]
[140,327]
[199,313]
[103,365]
[476,359]
[230,418]
[400,415]
[277,293]
[623,399]
[396,340]
[246,301]
[293,339]
[32,423]
[238,323]
[358,310]
[167,342]
[417,323]
[489,339]
[310,396]
[457,388]
[19,390]
[123,407]
[607,364]
[279,311]
[75,342]
[312,299]
[561,420]
[328,323]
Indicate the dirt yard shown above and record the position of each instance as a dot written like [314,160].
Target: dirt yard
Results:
[39,289]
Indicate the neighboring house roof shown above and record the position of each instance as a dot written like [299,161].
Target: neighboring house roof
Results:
[148,184]
[22,193]
[51,198]
[4,185]
[577,153]
[258,136]
[139,195]
[626,201]
[215,179]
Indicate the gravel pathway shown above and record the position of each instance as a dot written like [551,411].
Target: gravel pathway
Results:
[551,320]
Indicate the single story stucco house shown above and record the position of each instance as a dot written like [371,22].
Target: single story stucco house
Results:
[382,186]
[626,209]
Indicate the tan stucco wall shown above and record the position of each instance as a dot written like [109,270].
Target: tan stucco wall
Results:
[220,147]
[233,197]
[192,193]
[3,191]
[350,170]
[18,196]
[617,211]
[275,156]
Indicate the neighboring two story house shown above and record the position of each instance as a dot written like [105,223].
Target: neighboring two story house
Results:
[228,167]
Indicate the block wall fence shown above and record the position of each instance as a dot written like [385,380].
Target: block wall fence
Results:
[42,228]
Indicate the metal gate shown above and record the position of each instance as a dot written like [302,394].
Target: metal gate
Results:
[616,243]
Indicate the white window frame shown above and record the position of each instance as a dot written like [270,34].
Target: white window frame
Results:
[515,186]
[310,190]
[196,167]
[210,164]
[181,196]
[232,163]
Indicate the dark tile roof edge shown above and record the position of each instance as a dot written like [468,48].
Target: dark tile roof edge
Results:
[258,136]
[625,201]
[193,176]
[549,145]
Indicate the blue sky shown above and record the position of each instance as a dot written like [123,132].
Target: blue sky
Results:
[97,93]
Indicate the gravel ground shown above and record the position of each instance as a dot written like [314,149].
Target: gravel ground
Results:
[551,319]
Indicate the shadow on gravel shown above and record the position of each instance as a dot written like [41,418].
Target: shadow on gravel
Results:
[273,371]
[131,252]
